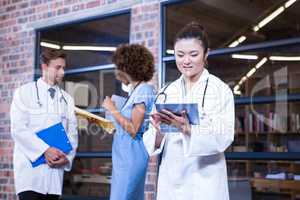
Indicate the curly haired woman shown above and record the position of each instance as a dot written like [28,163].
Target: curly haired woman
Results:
[134,67]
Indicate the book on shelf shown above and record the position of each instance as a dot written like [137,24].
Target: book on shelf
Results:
[294,122]
[272,123]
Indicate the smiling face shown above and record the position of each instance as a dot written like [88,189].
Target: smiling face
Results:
[190,58]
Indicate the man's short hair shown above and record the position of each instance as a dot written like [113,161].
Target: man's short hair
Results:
[51,54]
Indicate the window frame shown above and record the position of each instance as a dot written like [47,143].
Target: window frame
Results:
[238,100]
[83,69]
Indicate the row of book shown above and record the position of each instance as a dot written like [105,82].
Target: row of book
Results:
[274,122]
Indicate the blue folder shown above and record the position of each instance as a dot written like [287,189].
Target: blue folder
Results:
[54,136]
[191,111]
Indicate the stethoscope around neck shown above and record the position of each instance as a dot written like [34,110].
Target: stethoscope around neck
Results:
[165,96]
[62,98]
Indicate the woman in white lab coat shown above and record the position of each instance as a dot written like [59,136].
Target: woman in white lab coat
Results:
[193,165]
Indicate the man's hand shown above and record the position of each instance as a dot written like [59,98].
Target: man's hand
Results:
[61,162]
[55,158]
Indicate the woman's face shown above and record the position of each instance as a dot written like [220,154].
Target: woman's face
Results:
[190,57]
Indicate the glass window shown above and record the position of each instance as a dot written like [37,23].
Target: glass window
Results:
[264,126]
[90,88]
[89,178]
[89,46]
[271,71]
[171,72]
[267,128]
[227,22]
[263,179]
[265,83]
[92,138]
[89,43]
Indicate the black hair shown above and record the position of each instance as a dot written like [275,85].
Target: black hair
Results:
[193,30]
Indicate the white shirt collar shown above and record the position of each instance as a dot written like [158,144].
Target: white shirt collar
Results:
[45,86]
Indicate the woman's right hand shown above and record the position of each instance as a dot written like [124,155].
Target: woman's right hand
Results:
[109,104]
[156,121]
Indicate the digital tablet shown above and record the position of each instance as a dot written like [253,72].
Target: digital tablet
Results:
[190,108]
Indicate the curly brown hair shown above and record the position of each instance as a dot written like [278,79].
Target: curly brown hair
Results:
[135,60]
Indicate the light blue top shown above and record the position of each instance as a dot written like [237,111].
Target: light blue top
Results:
[129,155]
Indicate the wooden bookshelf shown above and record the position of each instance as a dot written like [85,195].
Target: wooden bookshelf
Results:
[269,184]
[262,128]
[289,188]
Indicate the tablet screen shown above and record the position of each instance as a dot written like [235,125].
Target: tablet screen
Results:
[190,108]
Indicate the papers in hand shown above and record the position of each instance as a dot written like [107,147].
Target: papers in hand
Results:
[107,125]
[191,111]
[54,136]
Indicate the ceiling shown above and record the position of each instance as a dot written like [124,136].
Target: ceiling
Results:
[225,21]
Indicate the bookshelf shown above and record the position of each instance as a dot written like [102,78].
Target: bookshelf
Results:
[268,122]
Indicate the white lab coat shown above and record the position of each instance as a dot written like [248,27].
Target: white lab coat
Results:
[27,118]
[194,167]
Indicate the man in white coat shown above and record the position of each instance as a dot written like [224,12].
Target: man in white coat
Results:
[37,106]
[193,164]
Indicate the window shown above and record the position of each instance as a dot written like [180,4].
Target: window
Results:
[89,77]
[227,22]
[262,69]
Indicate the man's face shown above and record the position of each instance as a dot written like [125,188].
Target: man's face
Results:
[54,71]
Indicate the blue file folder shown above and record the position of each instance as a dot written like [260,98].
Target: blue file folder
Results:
[190,108]
[54,136]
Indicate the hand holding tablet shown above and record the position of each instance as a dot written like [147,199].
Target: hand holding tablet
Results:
[191,110]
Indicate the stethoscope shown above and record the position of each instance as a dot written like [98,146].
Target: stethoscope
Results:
[165,96]
[62,98]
